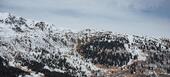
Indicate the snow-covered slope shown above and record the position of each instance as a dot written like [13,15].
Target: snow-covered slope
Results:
[40,49]
[23,42]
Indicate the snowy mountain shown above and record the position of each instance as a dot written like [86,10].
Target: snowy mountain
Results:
[37,49]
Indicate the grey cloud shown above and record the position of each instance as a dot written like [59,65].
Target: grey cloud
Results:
[131,16]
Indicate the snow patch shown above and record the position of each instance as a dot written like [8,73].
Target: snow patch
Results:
[33,74]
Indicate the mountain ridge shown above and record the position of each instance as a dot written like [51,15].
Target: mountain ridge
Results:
[41,49]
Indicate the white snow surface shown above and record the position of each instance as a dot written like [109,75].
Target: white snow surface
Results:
[34,38]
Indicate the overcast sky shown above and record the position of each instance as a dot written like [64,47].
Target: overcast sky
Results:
[141,17]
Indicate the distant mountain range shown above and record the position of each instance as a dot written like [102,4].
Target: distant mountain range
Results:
[36,49]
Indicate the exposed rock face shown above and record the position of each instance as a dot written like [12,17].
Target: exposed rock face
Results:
[106,49]
[29,48]
[8,71]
